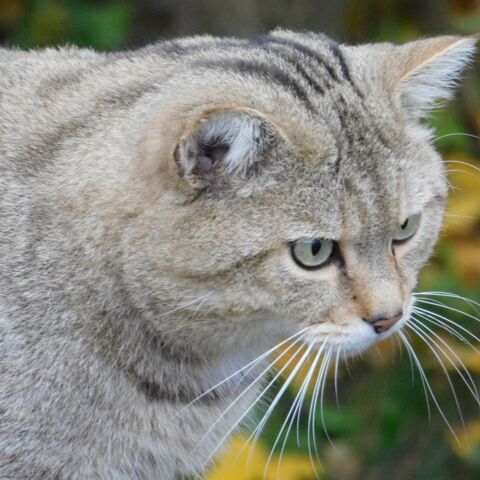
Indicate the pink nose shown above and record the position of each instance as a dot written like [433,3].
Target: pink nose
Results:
[382,324]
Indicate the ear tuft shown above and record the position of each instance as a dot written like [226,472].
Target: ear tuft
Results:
[224,143]
[430,72]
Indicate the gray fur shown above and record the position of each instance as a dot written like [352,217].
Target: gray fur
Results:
[141,264]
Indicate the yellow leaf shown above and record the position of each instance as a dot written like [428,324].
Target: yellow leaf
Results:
[239,462]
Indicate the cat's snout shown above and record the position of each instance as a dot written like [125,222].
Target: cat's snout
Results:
[382,323]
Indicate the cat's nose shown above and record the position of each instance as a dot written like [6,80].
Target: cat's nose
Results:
[382,323]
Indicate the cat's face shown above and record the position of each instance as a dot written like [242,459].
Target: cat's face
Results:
[281,217]
[341,260]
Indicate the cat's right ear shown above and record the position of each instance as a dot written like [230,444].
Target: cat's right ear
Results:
[426,71]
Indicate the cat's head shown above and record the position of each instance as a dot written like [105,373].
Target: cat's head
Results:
[292,184]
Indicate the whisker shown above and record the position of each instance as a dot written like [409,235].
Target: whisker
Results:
[427,384]
[311,413]
[284,387]
[268,353]
[467,217]
[247,366]
[463,163]
[440,320]
[450,221]
[471,383]
[258,429]
[447,307]
[414,357]
[314,402]
[252,405]
[446,328]
[460,134]
[412,370]
[309,376]
[448,295]
[313,407]
[347,366]
[427,340]
[322,391]
[335,376]
[300,396]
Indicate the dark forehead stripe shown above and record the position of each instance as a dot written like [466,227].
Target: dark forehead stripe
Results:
[336,52]
[305,51]
[289,57]
[355,126]
[261,70]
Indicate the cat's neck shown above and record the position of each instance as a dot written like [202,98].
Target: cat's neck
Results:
[161,371]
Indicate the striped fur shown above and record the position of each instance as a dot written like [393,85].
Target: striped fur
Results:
[147,202]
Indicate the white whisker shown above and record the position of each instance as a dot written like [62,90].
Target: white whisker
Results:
[467,217]
[447,307]
[322,391]
[337,355]
[284,387]
[302,399]
[252,405]
[249,366]
[470,383]
[463,163]
[311,413]
[447,295]
[410,359]
[428,341]
[319,386]
[427,385]
[413,356]
[440,321]
[299,401]
[460,134]
[258,429]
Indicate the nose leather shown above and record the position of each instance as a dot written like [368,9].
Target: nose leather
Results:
[382,323]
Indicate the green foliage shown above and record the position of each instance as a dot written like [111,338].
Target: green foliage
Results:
[104,26]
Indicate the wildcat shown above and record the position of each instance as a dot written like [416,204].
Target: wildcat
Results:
[168,215]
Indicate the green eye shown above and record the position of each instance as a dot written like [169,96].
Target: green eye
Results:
[407,229]
[312,253]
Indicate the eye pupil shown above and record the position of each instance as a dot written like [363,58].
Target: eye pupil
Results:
[403,226]
[316,245]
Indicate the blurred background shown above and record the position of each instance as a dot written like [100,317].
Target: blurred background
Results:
[380,427]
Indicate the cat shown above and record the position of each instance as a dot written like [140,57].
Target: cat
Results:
[169,216]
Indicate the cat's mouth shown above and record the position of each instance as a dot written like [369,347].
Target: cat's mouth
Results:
[358,336]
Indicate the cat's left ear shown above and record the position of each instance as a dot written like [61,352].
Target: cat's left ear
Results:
[426,71]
